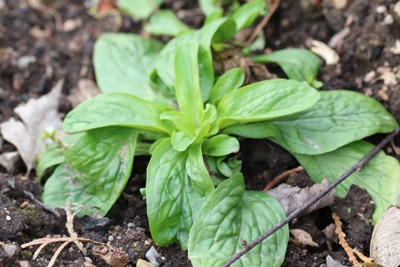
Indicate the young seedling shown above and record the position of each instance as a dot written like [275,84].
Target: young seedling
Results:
[168,101]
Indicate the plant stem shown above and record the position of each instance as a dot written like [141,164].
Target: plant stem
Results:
[356,167]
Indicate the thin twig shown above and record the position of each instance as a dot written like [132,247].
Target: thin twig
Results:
[264,21]
[281,176]
[276,227]
[34,199]
[38,6]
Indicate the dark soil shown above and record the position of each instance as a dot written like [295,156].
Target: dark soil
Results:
[31,34]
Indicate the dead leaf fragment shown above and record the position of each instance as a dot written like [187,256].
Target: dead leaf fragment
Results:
[293,197]
[86,89]
[8,160]
[385,240]
[303,238]
[36,115]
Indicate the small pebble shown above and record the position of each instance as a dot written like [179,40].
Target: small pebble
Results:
[340,4]
[130,225]
[396,8]
[388,20]
[152,255]
[8,218]
[143,263]
[24,61]
[369,76]
[110,238]
[381,9]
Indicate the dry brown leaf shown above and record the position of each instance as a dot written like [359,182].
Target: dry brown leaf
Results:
[385,240]
[293,197]
[303,238]
[86,89]
[8,160]
[36,115]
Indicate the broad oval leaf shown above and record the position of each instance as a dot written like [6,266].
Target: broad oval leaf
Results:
[245,15]
[104,158]
[181,140]
[165,22]
[50,157]
[339,118]
[265,100]
[232,215]
[116,109]
[138,9]
[218,30]
[173,198]
[229,81]
[380,176]
[220,145]
[123,63]
[298,64]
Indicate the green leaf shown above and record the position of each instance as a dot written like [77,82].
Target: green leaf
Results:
[197,170]
[224,166]
[298,64]
[116,109]
[181,140]
[218,30]
[232,215]
[104,158]
[49,157]
[94,152]
[339,118]
[265,100]
[380,176]
[209,7]
[247,13]
[138,9]
[164,22]
[229,81]
[173,197]
[180,120]
[220,145]
[123,63]
[187,82]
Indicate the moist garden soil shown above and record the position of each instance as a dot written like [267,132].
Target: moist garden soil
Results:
[34,55]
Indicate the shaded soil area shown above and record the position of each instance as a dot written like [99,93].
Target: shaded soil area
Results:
[35,54]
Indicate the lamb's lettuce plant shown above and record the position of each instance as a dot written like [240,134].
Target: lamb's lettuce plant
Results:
[167,101]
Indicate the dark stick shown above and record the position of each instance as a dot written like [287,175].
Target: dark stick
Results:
[34,199]
[276,227]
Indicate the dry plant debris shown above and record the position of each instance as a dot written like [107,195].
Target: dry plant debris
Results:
[36,116]
[351,252]
[293,197]
[113,256]
[385,240]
